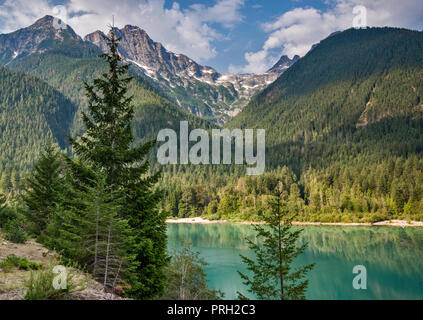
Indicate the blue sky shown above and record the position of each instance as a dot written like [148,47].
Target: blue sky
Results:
[247,35]
[230,35]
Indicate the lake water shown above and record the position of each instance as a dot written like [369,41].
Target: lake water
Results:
[392,256]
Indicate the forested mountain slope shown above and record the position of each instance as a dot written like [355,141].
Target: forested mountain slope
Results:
[67,74]
[31,113]
[357,96]
[48,101]
[347,119]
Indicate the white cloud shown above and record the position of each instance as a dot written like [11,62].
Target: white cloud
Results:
[295,31]
[18,14]
[189,31]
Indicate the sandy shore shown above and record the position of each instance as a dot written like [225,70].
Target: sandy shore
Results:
[194,220]
[390,223]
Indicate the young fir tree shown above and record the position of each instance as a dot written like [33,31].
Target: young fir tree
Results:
[42,189]
[5,183]
[108,145]
[272,275]
[90,232]
[3,208]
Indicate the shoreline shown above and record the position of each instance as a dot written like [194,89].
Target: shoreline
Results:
[387,223]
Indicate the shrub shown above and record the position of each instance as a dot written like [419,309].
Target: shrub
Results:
[13,231]
[376,217]
[40,286]
[13,261]
[25,264]
[7,264]
[7,215]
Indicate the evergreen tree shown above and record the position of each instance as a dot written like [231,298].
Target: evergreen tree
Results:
[2,201]
[8,215]
[42,189]
[90,232]
[5,182]
[108,145]
[2,209]
[272,276]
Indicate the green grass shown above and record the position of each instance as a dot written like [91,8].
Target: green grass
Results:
[13,261]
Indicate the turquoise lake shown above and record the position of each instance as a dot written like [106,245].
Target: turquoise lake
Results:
[392,256]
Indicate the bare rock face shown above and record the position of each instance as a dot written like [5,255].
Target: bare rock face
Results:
[32,39]
[221,95]
[283,64]
[97,38]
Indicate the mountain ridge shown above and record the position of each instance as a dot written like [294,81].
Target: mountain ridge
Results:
[177,70]
[357,93]
[199,89]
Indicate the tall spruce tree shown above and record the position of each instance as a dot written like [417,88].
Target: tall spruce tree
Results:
[42,189]
[108,145]
[272,276]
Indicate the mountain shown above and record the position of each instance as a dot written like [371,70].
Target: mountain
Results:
[283,64]
[200,89]
[60,62]
[40,37]
[347,119]
[356,98]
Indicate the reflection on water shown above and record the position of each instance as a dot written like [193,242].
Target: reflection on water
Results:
[393,258]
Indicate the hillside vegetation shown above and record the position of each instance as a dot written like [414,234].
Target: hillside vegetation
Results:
[356,97]
[346,121]
[31,113]
[42,98]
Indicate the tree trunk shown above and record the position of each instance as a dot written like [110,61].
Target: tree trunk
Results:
[96,239]
[107,257]
[280,248]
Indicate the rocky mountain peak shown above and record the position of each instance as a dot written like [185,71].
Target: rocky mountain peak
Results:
[46,21]
[178,73]
[98,39]
[30,39]
[138,48]
[50,24]
[284,63]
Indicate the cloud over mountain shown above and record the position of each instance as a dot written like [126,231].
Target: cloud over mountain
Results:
[295,31]
[190,31]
